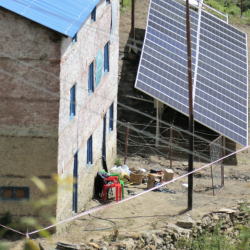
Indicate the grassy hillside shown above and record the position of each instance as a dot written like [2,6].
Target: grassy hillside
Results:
[233,9]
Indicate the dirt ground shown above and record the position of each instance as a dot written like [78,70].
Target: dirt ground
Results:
[154,209]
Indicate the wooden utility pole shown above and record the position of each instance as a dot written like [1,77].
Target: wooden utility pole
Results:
[132,35]
[191,114]
[126,145]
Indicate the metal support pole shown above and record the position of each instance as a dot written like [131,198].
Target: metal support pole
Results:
[132,35]
[191,115]
[126,145]
[223,145]
[171,134]
[157,124]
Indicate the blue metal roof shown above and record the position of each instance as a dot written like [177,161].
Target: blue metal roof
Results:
[64,16]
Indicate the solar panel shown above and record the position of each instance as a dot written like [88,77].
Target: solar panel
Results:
[220,92]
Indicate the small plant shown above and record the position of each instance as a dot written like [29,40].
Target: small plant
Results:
[154,225]
[118,162]
[6,219]
[126,5]
[113,236]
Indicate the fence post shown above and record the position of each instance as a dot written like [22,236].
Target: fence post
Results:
[126,145]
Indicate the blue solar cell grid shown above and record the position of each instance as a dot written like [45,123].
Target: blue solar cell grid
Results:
[162,72]
[221,88]
[222,79]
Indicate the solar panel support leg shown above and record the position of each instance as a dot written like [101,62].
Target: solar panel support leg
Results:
[224,146]
[159,111]
[157,124]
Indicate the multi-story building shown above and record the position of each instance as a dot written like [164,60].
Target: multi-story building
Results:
[59,78]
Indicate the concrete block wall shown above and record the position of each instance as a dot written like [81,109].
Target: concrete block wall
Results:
[73,136]
[29,115]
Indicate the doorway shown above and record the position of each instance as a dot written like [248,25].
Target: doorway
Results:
[75,184]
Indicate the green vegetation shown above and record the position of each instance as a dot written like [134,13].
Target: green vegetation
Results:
[113,236]
[29,223]
[232,8]
[206,241]
[6,218]
[118,162]
[154,225]
[126,5]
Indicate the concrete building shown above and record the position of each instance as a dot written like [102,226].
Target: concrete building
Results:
[59,79]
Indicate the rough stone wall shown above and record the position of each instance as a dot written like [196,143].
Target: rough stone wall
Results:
[29,91]
[73,136]
[23,157]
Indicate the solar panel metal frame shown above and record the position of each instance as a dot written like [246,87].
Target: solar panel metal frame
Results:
[155,66]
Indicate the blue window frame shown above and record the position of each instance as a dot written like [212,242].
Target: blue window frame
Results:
[93,15]
[91,78]
[72,112]
[111,117]
[14,193]
[74,39]
[107,2]
[106,59]
[89,152]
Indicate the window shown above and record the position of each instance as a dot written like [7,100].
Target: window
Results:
[111,117]
[72,103]
[89,152]
[91,78]
[14,193]
[107,2]
[93,15]
[74,39]
[106,59]
[98,67]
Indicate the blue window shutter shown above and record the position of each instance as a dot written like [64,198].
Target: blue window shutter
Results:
[93,15]
[91,155]
[111,117]
[74,39]
[89,151]
[72,102]
[106,58]
[91,78]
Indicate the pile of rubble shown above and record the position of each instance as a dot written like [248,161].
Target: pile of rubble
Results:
[167,237]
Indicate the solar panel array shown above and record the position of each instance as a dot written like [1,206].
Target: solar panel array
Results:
[221,89]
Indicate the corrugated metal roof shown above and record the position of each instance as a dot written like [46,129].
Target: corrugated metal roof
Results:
[64,16]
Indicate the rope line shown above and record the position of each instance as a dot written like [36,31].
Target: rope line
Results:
[129,198]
